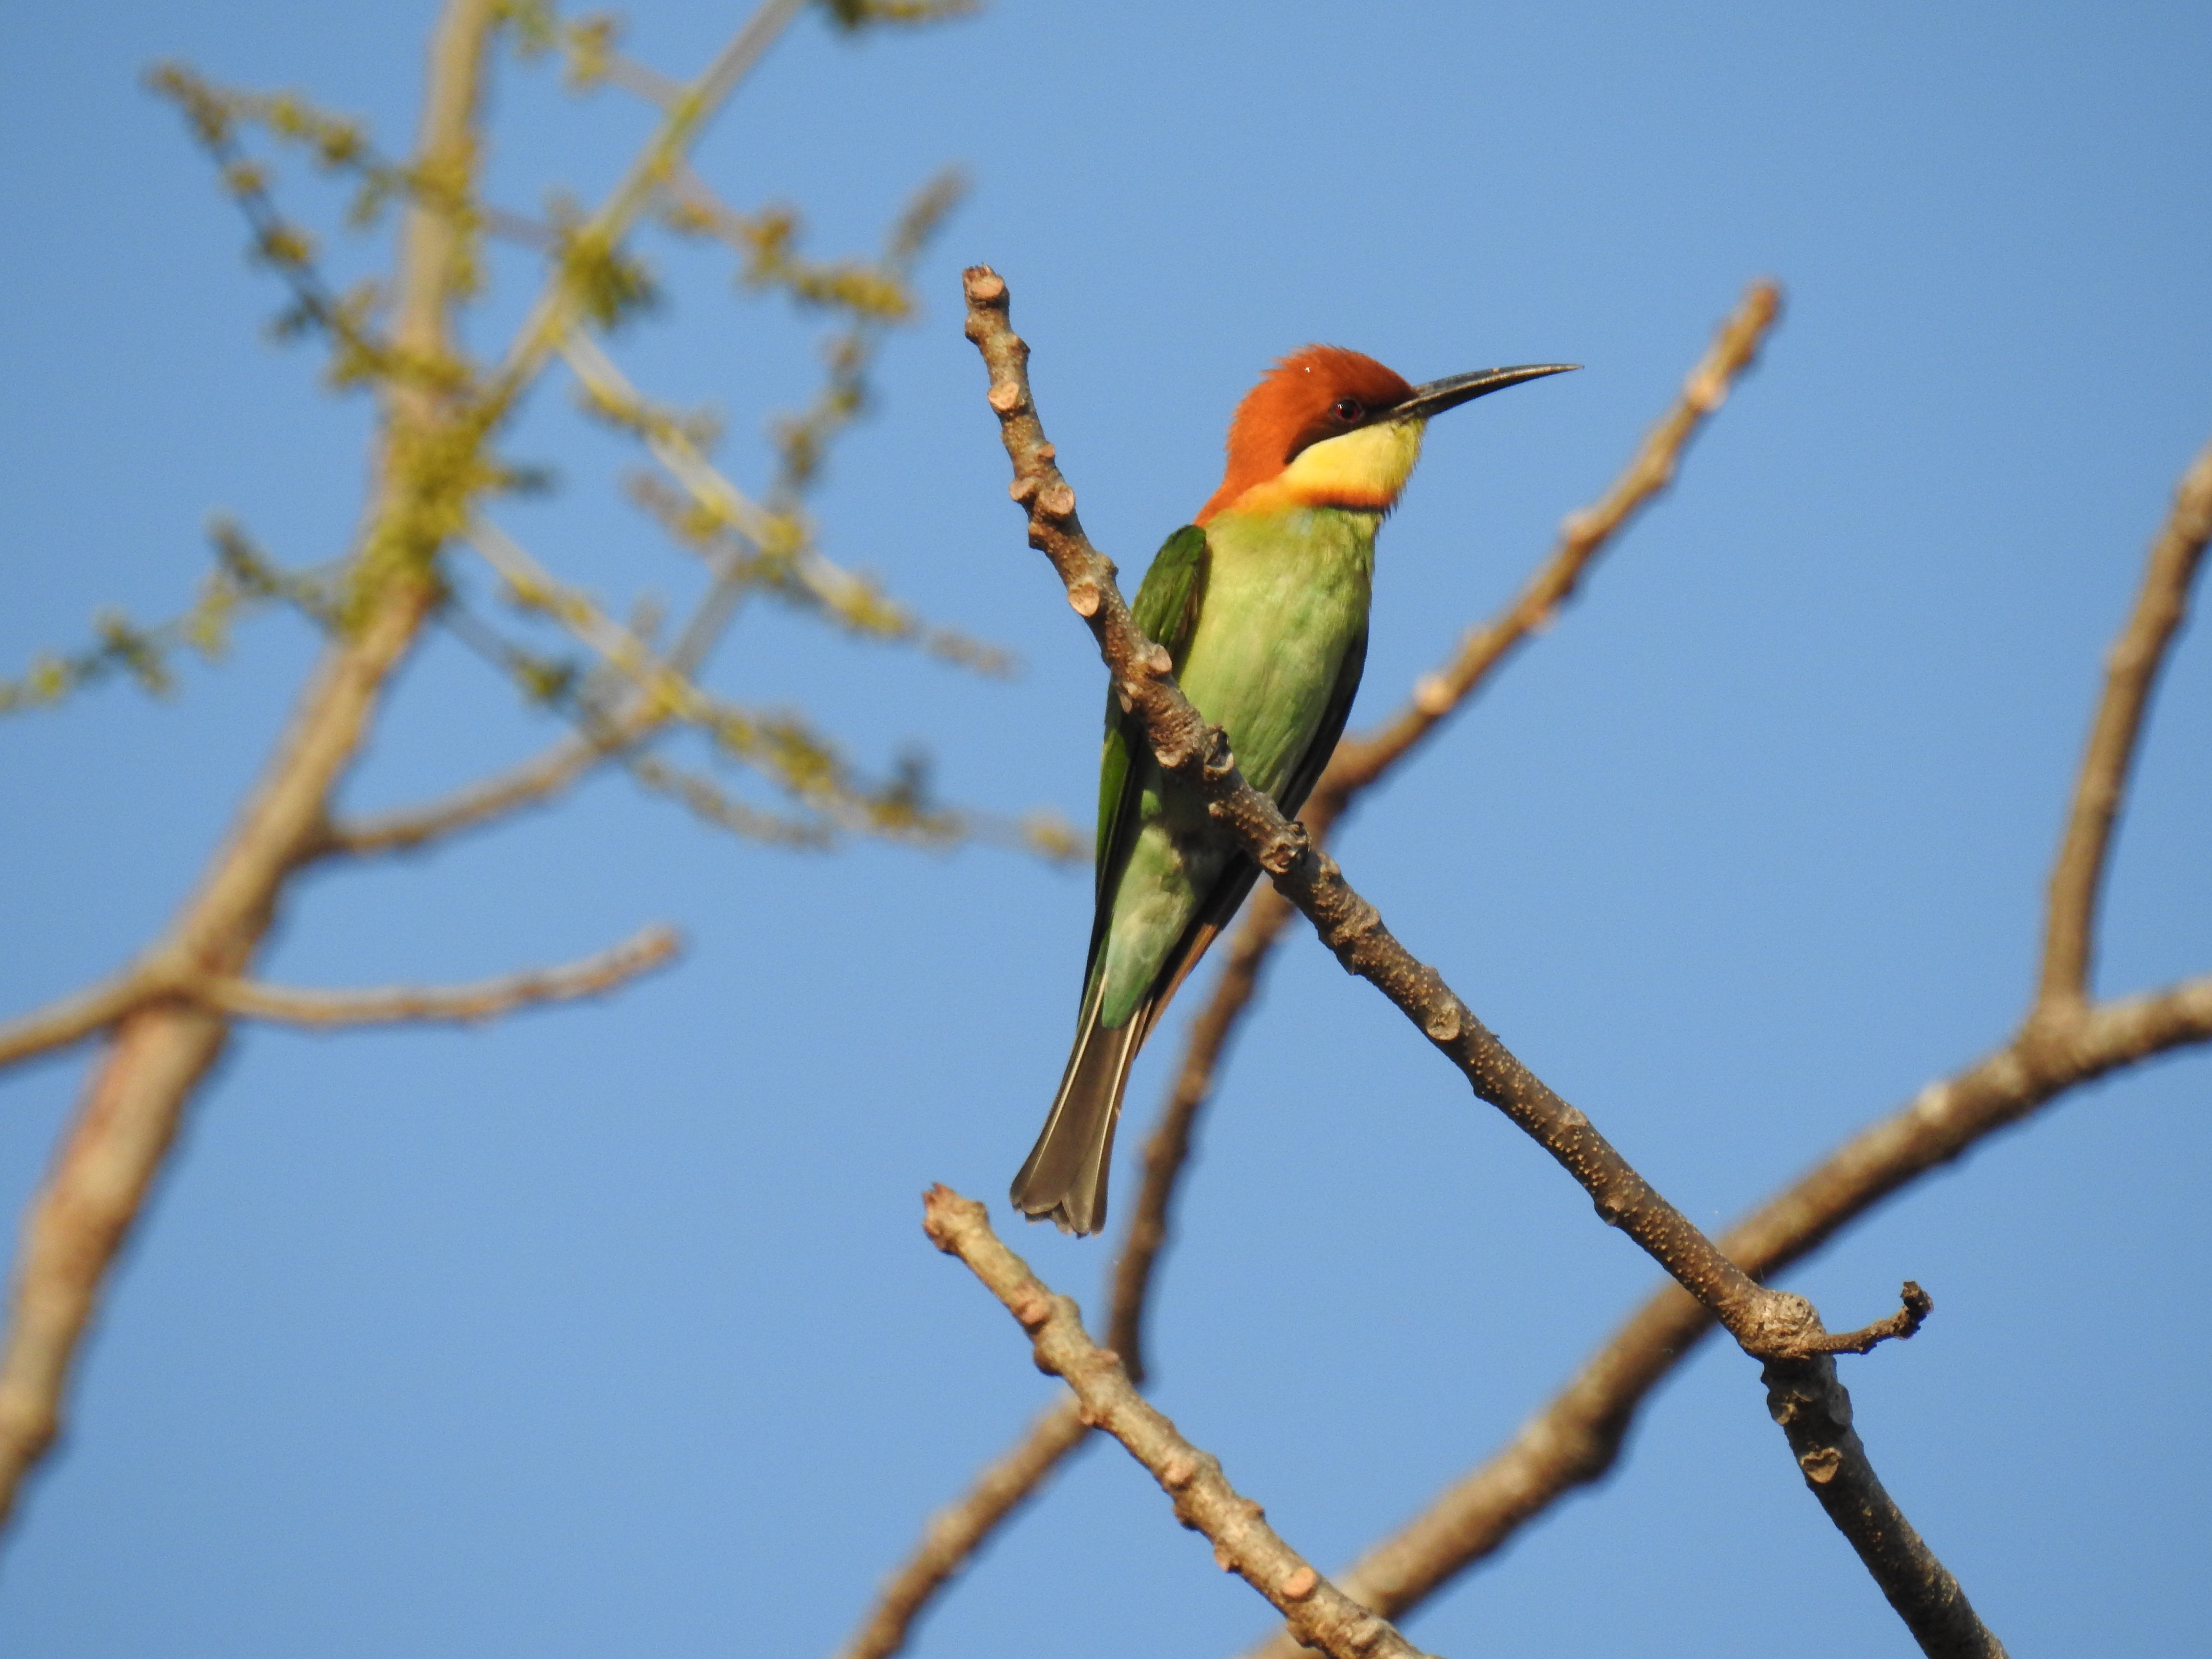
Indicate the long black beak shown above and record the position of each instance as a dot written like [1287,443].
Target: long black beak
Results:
[1453,389]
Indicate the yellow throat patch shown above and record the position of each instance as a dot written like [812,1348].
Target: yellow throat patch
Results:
[1363,470]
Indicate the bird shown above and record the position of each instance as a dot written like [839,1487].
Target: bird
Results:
[1261,603]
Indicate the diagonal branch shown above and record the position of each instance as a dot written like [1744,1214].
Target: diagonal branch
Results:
[489,998]
[2131,671]
[1577,1436]
[1779,1328]
[2064,1042]
[1359,763]
[1319,1613]
[70,1020]
[543,778]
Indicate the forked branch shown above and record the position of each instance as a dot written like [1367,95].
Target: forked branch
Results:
[134,1103]
[1361,761]
[1578,1436]
[1780,1329]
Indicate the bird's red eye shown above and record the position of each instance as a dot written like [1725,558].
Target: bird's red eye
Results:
[1347,410]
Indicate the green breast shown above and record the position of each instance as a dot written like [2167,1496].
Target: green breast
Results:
[1287,595]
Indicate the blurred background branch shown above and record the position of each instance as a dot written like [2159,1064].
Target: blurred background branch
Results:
[436,469]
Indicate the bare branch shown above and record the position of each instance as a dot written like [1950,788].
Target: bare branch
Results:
[534,783]
[74,1018]
[1916,1304]
[955,1533]
[2131,671]
[486,1000]
[1780,1329]
[1319,1613]
[1577,1437]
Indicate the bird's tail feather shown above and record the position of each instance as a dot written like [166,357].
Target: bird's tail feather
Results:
[1065,1175]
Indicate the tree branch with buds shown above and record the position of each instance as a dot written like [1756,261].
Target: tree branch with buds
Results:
[1782,1330]
[1318,1613]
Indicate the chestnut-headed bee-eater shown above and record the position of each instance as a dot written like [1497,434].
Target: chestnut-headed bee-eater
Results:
[1261,605]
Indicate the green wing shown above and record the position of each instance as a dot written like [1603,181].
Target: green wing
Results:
[1167,606]
[1315,761]
[1219,906]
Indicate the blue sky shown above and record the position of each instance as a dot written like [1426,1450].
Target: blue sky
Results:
[612,1330]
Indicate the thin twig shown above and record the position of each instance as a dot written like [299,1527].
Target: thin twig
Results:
[1777,1328]
[1915,1305]
[2131,671]
[554,312]
[72,1018]
[534,783]
[1320,1613]
[467,1004]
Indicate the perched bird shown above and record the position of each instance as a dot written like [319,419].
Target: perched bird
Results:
[1261,605]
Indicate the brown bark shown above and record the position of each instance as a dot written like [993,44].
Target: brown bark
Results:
[1577,1436]
[1316,1612]
[1783,1331]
